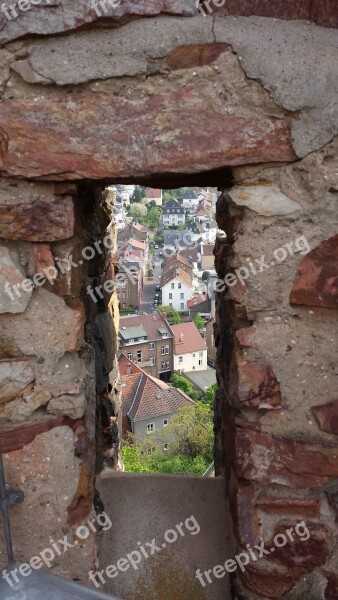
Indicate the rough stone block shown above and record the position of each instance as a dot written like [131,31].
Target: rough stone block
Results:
[316,281]
[22,408]
[68,405]
[11,275]
[271,459]
[16,376]
[327,416]
[310,549]
[253,384]
[266,200]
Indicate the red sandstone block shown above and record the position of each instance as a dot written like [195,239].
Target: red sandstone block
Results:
[253,384]
[327,416]
[309,549]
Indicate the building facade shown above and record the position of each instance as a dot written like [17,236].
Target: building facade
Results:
[190,349]
[173,214]
[176,287]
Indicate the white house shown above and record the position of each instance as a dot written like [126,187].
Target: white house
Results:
[190,349]
[154,194]
[176,286]
[173,214]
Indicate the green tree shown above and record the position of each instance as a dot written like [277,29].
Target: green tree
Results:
[183,384]
[153,218]
[150,272]
[173,316]
[138,211]
[199,321]
[210,395]
[138,194]
[205,276]
[131,456]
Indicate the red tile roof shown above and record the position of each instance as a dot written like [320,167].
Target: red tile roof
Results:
[150,323]
[207,249]
[176,273]
[197,300]
[153,193]
[187,338]
[137,244]
[144,397]
[178,258]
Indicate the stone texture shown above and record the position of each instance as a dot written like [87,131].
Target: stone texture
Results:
[15,378]
[65,15]
[42,258]
[11,275]
[39,221]
[101,54]
[289,506]
[48,327]
[195,55]
[288,73]
[22,408]
[316,281]
[68,405]
[269,582]
[244,513]
[327,416]
[321,12]
[266,200]
[270,459]
[254,384]
[308,553]
[138,137]
[13,437]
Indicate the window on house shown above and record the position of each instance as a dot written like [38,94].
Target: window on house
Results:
[150,427]
[152,361]
[151,345]
[200,354]
[123,294]
[170,296]
[193,355]
[163,365]
[139,356]
[180,359]
[162,350]
[182,296]
[167,349]
[165,422]
[168,365]
[182,305]
[173,286]
[130,355]
[200,362]
[179,286]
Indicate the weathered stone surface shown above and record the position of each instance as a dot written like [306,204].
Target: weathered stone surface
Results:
[68,405]
[22,408]
[14,438]
[289,506]
[316,282]
[266,200]
[269,582]
[127,51]
[15,378]
[138,138]
[271,459]
[309,550]
[48,327]
[195,55]
[11,275]
[38,222]
[254,384]
[327,416]
[65,15]
[244,513]
[288,72]
[331,590]
[42,258]
[321,12]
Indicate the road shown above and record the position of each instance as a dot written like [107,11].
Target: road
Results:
[149,288]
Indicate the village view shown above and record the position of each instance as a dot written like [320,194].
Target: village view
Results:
[167,354]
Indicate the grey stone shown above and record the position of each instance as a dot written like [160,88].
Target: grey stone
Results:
[297,63]
[125,51]
[12,301]
[22,408]
[71,406]
[266,200]
[15,377]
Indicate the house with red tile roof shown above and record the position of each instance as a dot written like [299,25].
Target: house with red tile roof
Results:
[199,305]
[148,404]
[154,194]
[190,349]
[176,286]
[177,261]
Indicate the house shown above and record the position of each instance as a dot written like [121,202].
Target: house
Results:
[190,349]
[129,287]
[190,203]
[207,257]
[134,231]
[154,194]
[148,341]
[179,239]
[173,214]
[177,261]
[192,255]
[148,404]
[199,305]
[176,286]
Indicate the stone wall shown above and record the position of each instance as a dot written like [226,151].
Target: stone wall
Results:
[246,102]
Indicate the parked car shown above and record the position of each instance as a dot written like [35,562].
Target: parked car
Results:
[157,296]
[156,246]
[211,362]
[158,289]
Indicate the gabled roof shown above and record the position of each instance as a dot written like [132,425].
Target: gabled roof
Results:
[145,397]
[197,300]
[151,324]
[136,244]
[136,331]
[178,258]
[187,338]
[207,249]
[176,273]
[172,204]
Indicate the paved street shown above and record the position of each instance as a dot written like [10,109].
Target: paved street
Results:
[149,288]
